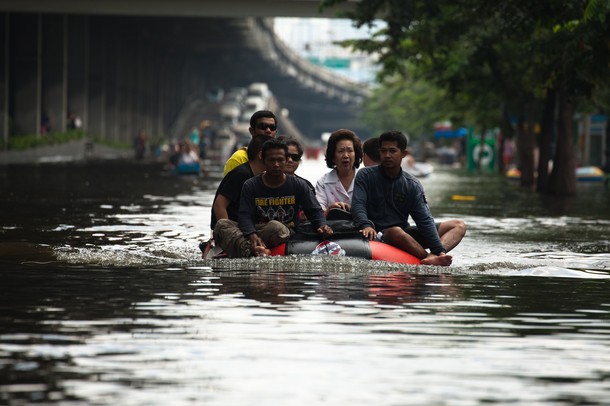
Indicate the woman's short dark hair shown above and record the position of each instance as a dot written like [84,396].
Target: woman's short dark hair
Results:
[291,141]
[331,148]
[399,137]
[274,144]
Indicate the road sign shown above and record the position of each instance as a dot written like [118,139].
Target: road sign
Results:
[485,153]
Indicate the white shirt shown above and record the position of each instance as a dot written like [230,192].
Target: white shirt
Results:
[329,190]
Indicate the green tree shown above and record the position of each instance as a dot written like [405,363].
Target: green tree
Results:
[504,58]
[411,106]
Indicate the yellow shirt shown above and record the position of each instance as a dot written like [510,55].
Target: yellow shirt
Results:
[239,157]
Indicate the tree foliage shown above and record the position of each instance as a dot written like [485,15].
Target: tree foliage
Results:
[492,59]
[412,107]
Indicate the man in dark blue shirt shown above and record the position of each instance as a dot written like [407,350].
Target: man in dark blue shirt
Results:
[385,196]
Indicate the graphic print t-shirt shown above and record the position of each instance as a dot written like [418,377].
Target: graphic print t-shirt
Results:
[260,204]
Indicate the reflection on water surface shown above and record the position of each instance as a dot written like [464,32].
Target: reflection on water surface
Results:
[106,301]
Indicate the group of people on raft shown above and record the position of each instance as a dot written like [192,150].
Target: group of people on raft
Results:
[261,201]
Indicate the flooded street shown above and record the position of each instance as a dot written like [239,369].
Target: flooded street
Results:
[105,300]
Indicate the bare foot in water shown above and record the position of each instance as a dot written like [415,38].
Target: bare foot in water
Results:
[261,251]
[439,260]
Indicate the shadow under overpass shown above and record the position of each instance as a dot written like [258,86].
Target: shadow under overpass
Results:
[122,73]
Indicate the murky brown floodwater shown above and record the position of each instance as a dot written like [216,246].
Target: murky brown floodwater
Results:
[105,300]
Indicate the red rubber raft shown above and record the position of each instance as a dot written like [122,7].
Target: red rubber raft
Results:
[348,247]
[346,241]
[355,247]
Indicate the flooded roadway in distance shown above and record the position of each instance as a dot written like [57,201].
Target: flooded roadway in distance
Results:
[105,300]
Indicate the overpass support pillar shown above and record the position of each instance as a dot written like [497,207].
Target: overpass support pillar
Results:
[78,67]
[97,84]
[126,98]
[24,72]
[111,86]
[54,84]
[4,72]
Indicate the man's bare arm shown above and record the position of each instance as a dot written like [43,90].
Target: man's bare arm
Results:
[220,207]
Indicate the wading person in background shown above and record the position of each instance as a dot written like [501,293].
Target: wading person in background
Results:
[270,204]
[343,155]
[139,144]
[385,196]
[262,122]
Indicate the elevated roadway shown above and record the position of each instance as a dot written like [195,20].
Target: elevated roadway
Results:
[174,8]
[123,68]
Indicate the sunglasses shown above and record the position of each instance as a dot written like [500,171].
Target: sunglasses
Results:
[294,157]
[264,126]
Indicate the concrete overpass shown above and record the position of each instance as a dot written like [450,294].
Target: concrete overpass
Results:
[174,8]
[125,65]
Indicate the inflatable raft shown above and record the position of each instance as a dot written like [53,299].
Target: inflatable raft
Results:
[583,174]
[345,242]
[188,169]
[590,174]
[355,246]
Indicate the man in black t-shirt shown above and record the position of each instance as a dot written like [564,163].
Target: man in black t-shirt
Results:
[270,203]
[225,208]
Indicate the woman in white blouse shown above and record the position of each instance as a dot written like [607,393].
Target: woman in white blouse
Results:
[343,155]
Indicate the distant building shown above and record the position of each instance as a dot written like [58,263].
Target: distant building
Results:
[314,39]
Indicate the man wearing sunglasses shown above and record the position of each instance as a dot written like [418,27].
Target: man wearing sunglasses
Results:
[384,197]
[261,122]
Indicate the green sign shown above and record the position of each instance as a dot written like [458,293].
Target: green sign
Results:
[486,153]
[337,63]
[334,63]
